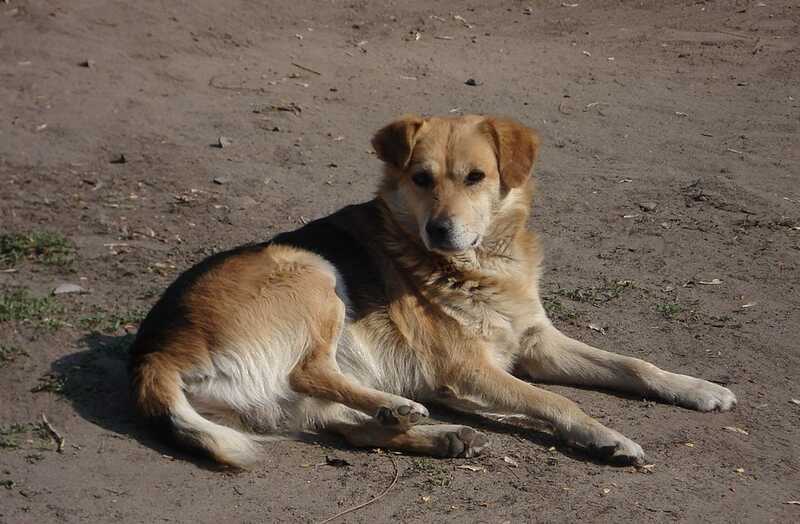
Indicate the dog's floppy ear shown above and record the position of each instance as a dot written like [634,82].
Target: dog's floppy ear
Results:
[395,142]
[516,147]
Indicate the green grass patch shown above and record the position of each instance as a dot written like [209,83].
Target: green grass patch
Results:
[104,322]
[9,354]
[432,473]
[669,309]
[597,295]
[51,383]
[556,310]
[52,249]
[20,305]
[12,436]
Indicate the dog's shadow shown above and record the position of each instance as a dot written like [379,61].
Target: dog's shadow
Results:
[95,381]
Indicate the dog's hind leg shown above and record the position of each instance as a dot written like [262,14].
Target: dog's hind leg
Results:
[318,375]
[551,356]
[437,440]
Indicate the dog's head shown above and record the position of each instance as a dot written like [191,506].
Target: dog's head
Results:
[449,179]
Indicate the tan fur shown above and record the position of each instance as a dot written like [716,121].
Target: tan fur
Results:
[278,337]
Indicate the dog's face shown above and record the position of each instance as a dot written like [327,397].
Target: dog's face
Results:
[448,178]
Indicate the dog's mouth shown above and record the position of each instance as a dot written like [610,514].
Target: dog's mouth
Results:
[449,249]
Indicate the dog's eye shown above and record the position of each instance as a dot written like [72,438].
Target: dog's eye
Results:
[475,176]
[422,179]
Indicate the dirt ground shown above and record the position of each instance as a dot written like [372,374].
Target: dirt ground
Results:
[671,157]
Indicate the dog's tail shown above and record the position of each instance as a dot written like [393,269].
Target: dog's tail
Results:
[159,396]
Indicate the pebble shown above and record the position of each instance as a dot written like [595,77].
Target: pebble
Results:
[66,288]
[648,206]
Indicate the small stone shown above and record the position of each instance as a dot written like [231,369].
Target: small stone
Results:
[221,180]
[66,288]
[472,82]
[119,159]
[87,63]
[224,141]
[242,203]
[648,206]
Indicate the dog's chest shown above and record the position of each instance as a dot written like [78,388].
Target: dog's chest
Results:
[495,308]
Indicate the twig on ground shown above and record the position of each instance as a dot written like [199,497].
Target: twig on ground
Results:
[372,500]
[212,82]
[53,433]
[304,68]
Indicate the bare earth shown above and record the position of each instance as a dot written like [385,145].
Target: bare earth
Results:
[690,108]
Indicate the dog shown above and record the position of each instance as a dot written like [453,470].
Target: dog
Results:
[429,293]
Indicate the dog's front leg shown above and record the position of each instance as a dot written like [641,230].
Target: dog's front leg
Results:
[481,386]
[550,356]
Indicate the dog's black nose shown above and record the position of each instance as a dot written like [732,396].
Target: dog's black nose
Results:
[439,230]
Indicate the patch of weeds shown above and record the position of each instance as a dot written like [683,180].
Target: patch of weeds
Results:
[556,310]
[597,295]
[9,435]
[9,354]
[435,474]
[669,310]
[8,483]
[52,249]
[51,382]
[33,458]
[20,305]
[104,322]
[13,436]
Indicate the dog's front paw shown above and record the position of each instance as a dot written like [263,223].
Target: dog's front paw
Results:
[402,416]
[707,396]
[698,394]
[607,444]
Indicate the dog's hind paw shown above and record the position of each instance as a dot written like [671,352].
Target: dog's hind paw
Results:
[465,443]
[402,415]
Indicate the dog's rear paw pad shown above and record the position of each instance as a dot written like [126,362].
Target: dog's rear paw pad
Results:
[465,443]
[404,415]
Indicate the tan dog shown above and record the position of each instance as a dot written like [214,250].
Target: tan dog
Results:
[428,292]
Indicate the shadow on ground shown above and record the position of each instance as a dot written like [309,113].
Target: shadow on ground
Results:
[95,382]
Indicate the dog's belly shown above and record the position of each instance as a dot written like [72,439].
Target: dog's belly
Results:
[376,356]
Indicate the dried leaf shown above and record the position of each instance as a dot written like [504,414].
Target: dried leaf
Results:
[469,467]
[713,282]
[795,401]
[599,329]
[511,462]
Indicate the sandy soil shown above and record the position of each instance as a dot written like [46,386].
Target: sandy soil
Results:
[691,108]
